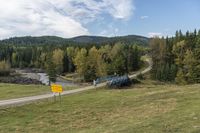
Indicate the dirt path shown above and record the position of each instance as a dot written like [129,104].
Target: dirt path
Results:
[26,100]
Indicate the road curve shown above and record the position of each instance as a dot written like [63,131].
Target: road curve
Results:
[146,70]
[30,99]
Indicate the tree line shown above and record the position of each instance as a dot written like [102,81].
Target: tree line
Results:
[176,59]
[89,62]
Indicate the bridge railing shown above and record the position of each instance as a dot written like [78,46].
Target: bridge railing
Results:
[114,80]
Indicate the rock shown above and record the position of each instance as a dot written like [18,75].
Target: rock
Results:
[19,80]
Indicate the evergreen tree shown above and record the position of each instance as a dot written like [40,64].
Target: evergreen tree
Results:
[177,59]
[58,56]
[81,62]
[180,78]
[51,69]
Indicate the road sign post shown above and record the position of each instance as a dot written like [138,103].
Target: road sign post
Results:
[54,97]
[60,97]
[56,89]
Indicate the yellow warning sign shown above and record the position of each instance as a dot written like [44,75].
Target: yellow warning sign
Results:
[56,88]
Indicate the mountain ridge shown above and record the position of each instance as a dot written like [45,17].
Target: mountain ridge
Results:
[85,39]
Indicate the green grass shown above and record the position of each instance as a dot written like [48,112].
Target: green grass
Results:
[146,108]
[8,91]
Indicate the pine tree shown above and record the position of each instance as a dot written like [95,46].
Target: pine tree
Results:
[173,72]
[65,63]
[71,53]
[81,63]
[189,66]
[51,69]
[180,78]
[57,58]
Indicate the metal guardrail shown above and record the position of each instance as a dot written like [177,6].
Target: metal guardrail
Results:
[119,81]
[106,78]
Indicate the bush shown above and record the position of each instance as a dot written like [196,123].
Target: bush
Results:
[135,81]
[4,68]
[140,76]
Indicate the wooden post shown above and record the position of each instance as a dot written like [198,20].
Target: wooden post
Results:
[54,95]
[60,98]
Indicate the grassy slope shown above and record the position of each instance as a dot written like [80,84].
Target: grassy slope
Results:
[8,91]
[147,108]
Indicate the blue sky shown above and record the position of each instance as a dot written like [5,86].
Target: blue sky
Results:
[69,18]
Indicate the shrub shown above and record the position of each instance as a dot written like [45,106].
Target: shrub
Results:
[135,81]
[4,68]
[140,76]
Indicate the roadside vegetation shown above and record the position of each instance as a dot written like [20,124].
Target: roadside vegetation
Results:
[4,68]
[150,106]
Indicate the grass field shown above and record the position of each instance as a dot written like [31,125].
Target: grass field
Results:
[145,108]
[8,91]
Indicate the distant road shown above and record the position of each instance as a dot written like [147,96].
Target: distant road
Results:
[150,63]
[26,100]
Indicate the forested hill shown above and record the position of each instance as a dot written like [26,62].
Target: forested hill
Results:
[54,40]
[98,39]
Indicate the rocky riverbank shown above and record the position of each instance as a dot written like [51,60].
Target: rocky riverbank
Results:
[19,80]
[33,76]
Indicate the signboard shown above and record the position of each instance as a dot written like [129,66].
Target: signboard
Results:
[56,88]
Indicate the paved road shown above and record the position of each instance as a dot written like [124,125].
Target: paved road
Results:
[26,100]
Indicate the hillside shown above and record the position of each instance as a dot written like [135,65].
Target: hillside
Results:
[143,108]
[100,39]
[29,40]
[54,40]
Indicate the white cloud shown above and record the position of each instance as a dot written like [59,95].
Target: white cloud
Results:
[155,34]
[109,31]
[90,9]
[22,17]
[120,9]
[65,18]
[144,17]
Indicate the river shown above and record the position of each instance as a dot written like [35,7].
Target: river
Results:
[43,77]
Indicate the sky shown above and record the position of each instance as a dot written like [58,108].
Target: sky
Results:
[70,18]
